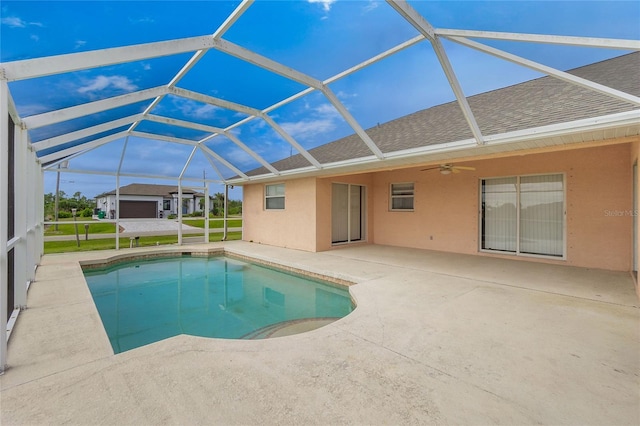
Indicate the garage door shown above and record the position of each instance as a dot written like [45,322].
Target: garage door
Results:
[138,209]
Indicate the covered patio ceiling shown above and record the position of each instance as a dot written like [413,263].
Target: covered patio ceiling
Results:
[224,107]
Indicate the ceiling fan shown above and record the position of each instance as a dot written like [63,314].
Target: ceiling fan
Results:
[446,169]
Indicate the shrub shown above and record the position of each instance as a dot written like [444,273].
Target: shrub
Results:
[88,212]
[64,215]
[171,216]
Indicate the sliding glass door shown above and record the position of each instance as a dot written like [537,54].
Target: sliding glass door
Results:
[347,213]
[499,215]
[523,215]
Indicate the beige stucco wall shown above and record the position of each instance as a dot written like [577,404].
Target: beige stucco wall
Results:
[293,227]
[598,199]
[599,207]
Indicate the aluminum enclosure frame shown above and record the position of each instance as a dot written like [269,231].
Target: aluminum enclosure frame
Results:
[27,243]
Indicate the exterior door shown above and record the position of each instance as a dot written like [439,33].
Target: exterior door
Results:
[347,213]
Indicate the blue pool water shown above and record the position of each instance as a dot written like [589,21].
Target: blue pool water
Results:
[147,301]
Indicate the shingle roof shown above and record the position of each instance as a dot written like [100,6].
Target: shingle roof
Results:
[150,189]
[540,102]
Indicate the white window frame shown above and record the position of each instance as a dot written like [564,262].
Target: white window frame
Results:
[393,197]
[266,197]
[517,251]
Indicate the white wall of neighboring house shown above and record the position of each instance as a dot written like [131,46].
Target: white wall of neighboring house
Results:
[107,203]
[192,203]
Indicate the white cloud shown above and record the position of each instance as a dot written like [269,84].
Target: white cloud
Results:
[327,110]
[371,5]
[34,37]
[79,44]
[239,158]
[344,95]
[195,109]
[32,109]
[103,82]
[15,22]
[308,128]
[326,4]
[319,119]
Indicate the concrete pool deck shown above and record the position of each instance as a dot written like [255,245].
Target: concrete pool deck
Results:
[436,338]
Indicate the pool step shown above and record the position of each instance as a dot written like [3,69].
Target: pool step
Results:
[287,328]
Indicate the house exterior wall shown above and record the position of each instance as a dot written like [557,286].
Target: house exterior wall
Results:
[446,217]
[293,227]
[598,202]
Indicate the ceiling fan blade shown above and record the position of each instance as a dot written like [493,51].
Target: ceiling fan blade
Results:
[455,170]
[430,168]
[464,167]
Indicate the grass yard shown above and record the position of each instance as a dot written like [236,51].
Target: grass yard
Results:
[98,227]
[110,243]
[69,228]
[213,223]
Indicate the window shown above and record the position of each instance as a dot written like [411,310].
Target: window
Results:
[274,197]
[166,204]
[523,215]
[401,196]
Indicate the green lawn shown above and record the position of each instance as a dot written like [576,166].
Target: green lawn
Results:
[69,228]
[110,228]
[110,243]
[199,223]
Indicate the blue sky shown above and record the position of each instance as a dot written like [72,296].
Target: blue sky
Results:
[319,38]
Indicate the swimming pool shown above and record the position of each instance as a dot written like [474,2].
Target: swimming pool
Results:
[145,301]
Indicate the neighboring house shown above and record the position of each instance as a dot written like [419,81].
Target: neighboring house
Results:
[555,181]
[139,200]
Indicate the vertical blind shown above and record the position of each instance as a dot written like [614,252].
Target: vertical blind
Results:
[339,215]
[524,215]
[347,213]
[499,215]
[541,215]
[355,204]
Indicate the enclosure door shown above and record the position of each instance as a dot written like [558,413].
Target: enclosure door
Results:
[347,213]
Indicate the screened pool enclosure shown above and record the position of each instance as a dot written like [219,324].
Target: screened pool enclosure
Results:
[215,103]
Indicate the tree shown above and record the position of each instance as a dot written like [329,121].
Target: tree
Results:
[65,204]
[218,203]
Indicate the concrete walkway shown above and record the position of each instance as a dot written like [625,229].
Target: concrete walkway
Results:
[132,226]
[436,338]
